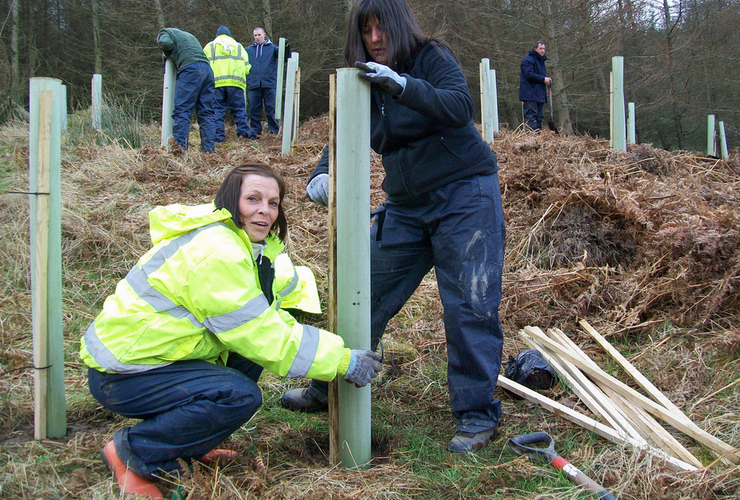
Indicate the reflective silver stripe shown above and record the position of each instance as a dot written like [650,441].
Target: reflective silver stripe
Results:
[226,56]
[231,77]
[106,359]
[292,285]
[306,352]
[138,280]
[249,311]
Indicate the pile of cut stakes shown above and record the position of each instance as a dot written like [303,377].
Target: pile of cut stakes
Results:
[626,415]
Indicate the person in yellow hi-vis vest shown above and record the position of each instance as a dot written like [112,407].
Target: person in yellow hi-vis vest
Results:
[230,64]
[183,340]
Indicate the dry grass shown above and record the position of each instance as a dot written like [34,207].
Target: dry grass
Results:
[645,245]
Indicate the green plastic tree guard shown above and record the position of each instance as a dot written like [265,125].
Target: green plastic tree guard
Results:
[44,168]
[353,256]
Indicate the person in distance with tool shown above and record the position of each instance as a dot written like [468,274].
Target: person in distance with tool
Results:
[533,81]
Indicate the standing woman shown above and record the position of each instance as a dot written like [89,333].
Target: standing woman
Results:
[183,340]
[442,209]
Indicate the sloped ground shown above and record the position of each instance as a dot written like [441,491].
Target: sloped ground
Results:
[644,245]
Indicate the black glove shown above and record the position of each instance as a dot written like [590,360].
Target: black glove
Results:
[364,366]
[388,80]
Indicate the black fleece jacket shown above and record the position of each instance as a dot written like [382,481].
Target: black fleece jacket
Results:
[426,136]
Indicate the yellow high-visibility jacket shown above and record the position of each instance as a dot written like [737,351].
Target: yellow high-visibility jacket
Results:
[196,295]
[229,62]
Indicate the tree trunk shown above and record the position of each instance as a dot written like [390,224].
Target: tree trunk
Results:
[558,77]
[267,17]
[675,109]
[160,14]
[15,71]
[97,50]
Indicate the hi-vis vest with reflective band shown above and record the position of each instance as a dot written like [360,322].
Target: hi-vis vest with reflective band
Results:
[229,62]
[196,295]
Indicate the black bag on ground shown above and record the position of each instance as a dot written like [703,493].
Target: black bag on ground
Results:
[530,369]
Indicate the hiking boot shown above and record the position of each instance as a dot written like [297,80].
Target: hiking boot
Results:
[305,400]
[466,442]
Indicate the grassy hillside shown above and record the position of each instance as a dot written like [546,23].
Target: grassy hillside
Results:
[644,245]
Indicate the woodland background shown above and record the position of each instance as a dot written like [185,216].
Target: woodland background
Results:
[681,56]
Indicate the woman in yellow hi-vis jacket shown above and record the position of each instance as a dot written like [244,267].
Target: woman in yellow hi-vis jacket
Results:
[183,340]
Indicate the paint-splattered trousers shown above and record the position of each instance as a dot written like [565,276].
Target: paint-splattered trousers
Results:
[459,230]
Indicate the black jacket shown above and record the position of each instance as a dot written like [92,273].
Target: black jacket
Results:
[426,136]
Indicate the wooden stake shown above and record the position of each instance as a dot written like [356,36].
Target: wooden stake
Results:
[40,302]
[332,306]
[585,390]
[633,372]
[589,423]
[649,428]
[688,428]
[622,420]
[655,433]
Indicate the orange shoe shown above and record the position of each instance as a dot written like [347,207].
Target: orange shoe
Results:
[128,480]
[217,453]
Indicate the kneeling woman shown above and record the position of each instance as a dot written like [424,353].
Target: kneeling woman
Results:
[187,333]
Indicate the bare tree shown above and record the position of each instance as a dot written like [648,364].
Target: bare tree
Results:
[97,50]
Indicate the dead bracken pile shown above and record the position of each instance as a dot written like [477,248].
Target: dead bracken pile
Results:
[643,244]
[628,239]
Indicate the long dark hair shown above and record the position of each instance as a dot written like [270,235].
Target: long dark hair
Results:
[404,37]
[228,194]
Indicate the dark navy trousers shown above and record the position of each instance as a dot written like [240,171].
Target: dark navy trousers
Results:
[194,90]
[459,230]
[231,98]
[256,98]
[187,408]
[534,113]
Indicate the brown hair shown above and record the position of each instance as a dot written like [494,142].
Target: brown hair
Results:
[404,37]
[228,194]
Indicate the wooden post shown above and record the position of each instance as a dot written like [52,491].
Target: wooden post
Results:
[711,149]
[63,108]
[280,78]
[631,137]
[332,306]
[352,210]
[723,140]
[97,98]
[611,109]
[289,108]
[44,161]
[618,128]
[168,100]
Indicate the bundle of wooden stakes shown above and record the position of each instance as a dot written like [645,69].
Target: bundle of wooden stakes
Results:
[626,415]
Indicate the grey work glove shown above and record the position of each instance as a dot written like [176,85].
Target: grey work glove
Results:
[388,80]
[363,367]
[318,189]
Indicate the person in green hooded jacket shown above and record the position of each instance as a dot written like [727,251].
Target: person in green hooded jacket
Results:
[184,338]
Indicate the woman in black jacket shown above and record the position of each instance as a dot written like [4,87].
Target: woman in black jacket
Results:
[443,207]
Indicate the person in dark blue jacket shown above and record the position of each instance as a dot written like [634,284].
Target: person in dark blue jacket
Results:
[262,80]
[442,209]
[532,85]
